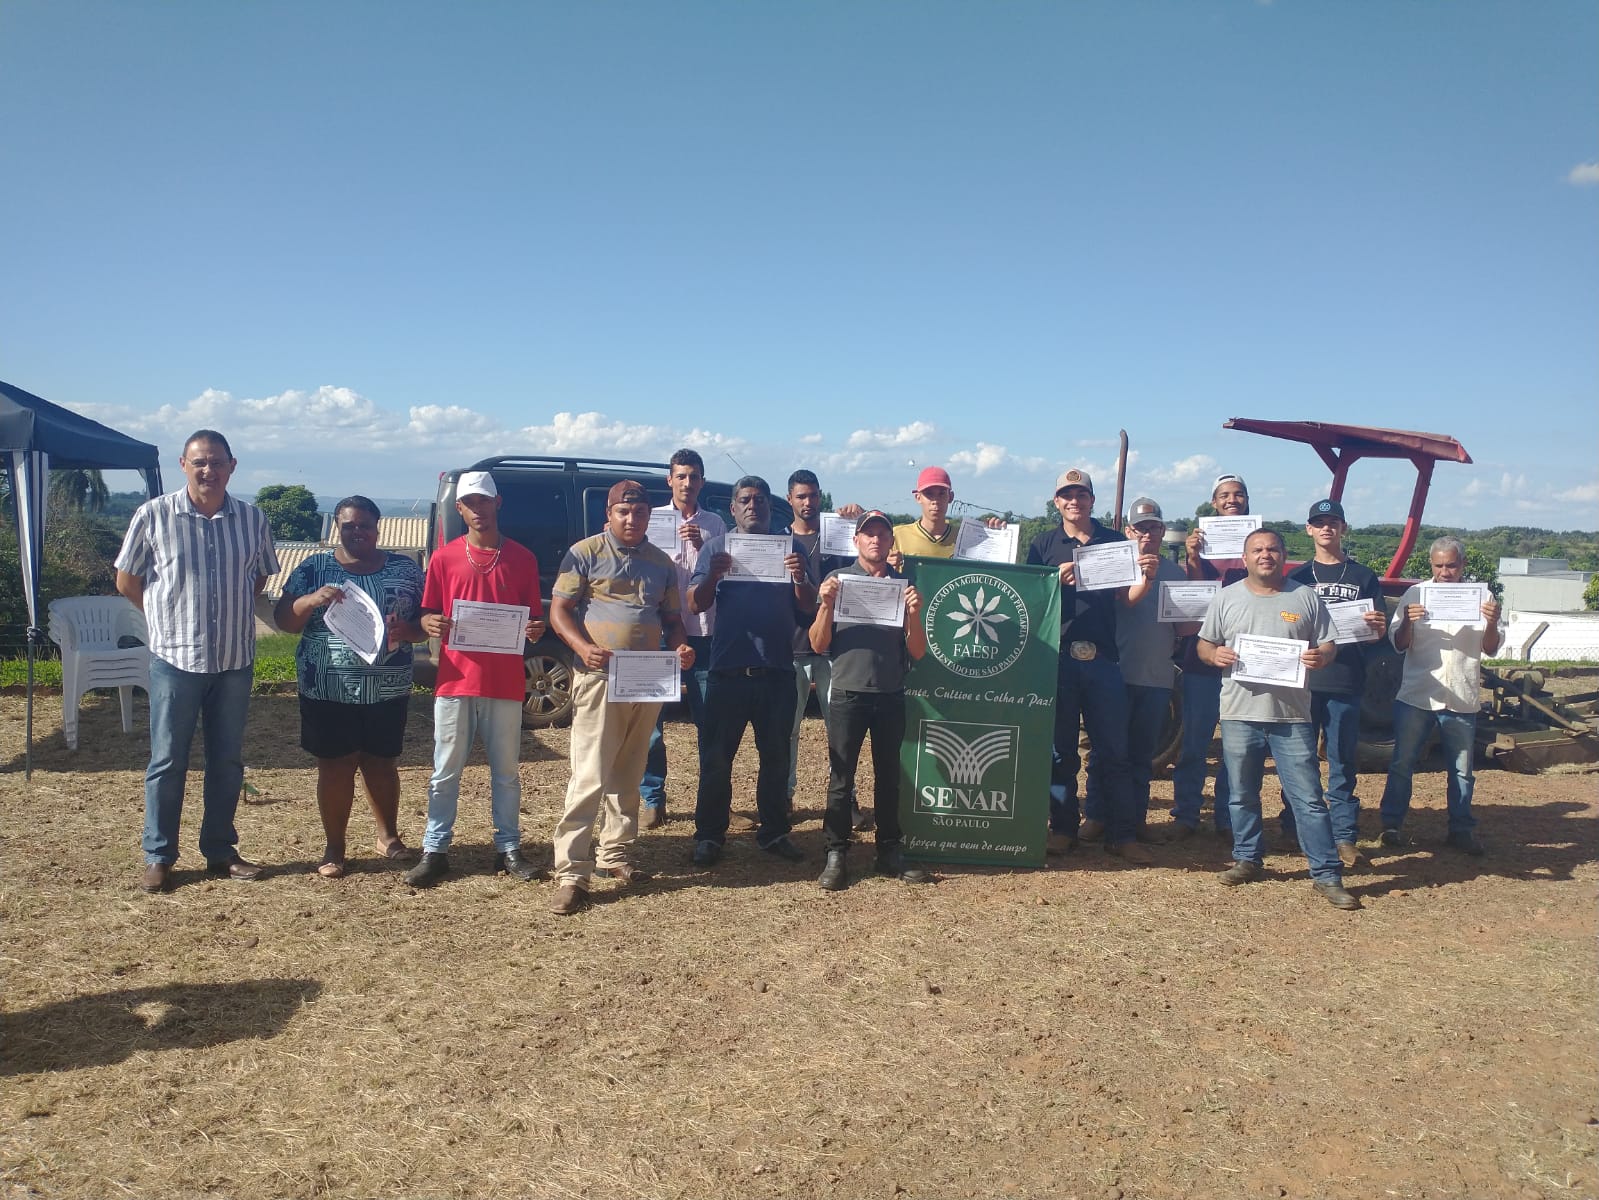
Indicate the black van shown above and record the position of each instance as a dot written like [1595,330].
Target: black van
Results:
[547,504]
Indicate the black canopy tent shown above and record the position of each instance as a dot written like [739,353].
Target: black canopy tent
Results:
[36,436]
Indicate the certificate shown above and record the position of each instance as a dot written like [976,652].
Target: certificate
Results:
[1460,602]
[1224,537]
[1273,661]
[838,536]
[1107,565]
[643,677]
[358,620]
[869,600]
[662,533]
[976,540]
[1349,621]
[758,557]
[489,628]
[1181,603]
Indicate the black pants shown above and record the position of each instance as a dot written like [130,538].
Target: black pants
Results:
[850,717]
[735,700]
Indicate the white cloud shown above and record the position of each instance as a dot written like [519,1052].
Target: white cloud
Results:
[987,457]
[915,434]
[811,439]
[1507,486]
[1585,493]
[1584,175]
[1194,468]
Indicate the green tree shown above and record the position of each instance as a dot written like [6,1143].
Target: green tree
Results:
[1590,595]
[290,510]
[79,490]
[1479,567]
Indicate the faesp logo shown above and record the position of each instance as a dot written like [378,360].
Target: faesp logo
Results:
[965,769]
[977,625]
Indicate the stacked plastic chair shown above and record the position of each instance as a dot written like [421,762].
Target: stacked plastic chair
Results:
[88,630]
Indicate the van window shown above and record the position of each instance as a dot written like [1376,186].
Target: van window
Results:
[533,511]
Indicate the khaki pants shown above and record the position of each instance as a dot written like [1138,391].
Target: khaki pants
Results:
[609,742]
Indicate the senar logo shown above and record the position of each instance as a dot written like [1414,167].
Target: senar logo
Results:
[965,769]
[977,625]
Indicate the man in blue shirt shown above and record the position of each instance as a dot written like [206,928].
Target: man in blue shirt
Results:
[751,678]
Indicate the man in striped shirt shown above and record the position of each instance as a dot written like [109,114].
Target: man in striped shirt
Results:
[194,561]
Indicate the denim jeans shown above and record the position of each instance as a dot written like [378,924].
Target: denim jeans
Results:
[456,720]
[1457,737]
[652,787]
[1091,694]
[851,717]
[734,700]
[1292,744]
[180,701]
[1338,716]
[1146,718]
[810,669]
[1201,711]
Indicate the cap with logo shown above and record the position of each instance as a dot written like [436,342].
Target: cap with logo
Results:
[475,483]
[1074,478]
[933,477]
[873,514]
[1221,479]
[1144,509]
[626,491]
[1325,508]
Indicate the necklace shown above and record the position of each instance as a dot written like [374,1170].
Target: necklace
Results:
[1315,569]
[482,568]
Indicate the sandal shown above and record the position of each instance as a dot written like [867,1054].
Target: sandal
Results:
[397,851]
[332,869]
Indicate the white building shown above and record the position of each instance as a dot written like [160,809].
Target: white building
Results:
[1542,585]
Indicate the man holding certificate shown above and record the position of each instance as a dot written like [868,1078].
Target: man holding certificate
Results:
[1265,633]
[1351,591]
[868,621]
[761,589]
[1089,689]
[481,600]
[616,596]
[1443,649]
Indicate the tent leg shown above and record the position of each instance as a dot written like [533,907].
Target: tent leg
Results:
[28,753]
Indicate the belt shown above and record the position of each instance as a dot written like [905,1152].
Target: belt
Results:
[1084,651]
[753,672]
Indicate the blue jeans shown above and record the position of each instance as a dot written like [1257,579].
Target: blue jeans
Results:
[456,720]
[734,700]
[1146,717]
[810,669]
[1457,736]
[180,701]
[1091,694]
[1201,711]
[1338,715]
[652,787]
[1244,746]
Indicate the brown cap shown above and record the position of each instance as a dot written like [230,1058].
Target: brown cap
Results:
[1074,478]
[626,491]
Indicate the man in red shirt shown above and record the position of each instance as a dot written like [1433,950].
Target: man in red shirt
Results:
[479,692]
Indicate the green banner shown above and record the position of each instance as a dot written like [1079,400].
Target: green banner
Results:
[980,713]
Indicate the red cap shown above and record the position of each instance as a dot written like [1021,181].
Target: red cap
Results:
[933,477]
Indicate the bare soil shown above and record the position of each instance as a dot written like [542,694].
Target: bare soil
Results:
[1086,1030]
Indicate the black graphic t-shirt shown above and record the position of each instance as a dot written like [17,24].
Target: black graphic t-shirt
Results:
[1335,582]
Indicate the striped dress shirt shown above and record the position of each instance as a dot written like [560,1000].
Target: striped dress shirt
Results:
[199,577]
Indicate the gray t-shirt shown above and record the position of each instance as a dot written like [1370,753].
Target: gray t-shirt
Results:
[1295,612]
[867,658]
[1143,643]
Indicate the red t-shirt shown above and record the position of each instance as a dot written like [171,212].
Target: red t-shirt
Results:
[514,579]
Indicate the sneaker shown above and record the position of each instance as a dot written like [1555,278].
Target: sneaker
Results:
[429,871]
[785,849]
[891,862]
[1392,837]
[1241,872]
[1333,892]
[512,863]
[1090,831]
[1464,839]
[860,820]
[1059,843]
[1131,852]
[653,816]
[707,854]
[833,877]
[1349,855]
[569,899]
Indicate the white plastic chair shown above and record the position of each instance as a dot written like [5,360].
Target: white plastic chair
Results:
[87,628]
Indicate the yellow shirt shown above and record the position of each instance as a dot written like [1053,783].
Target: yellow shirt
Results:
[912,539]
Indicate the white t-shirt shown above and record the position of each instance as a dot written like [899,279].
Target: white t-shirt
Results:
[1443,667]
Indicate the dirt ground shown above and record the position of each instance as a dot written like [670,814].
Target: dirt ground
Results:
[1087,1030]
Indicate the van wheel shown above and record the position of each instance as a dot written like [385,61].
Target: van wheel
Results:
[548,695]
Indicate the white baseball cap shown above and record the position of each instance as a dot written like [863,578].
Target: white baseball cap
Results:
[475,483]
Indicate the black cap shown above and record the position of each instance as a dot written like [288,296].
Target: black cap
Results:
[1325,508]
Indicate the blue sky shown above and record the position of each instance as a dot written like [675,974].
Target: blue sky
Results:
[372,240]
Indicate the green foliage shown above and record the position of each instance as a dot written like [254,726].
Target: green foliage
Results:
[46,672]
[1590,595]
[77,558]
[290,510]
[1479,567]
[78,490]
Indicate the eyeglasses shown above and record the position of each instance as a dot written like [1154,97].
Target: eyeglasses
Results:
[208,464]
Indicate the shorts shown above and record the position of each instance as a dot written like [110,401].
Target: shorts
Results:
[329,729]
